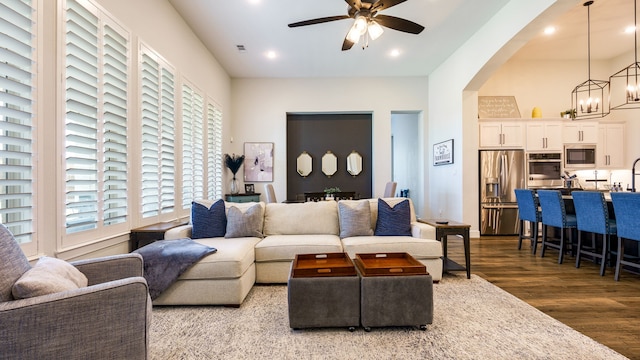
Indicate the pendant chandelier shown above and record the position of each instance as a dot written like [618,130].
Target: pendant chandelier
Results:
[590,99]
[625,81]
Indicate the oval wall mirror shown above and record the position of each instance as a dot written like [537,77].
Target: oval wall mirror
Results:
[329,163]
[354,163]
[304,164]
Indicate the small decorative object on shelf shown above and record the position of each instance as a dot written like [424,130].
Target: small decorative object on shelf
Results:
[233,162]
[330,192]
[568,114]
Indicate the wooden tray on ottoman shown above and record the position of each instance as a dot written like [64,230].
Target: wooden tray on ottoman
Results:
[322,265]
[389,264]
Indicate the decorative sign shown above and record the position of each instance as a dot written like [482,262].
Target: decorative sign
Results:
[491,107]
[443,153]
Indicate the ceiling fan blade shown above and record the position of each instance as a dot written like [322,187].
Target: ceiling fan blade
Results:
[319,20]
[356,4]
[385,4]
[347,44]
[399,24]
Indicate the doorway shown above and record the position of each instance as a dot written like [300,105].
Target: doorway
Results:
[405,154]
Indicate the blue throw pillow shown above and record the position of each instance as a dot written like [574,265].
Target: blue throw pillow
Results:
[208,222]
[393,221]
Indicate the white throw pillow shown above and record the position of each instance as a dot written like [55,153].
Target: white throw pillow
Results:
[48,276]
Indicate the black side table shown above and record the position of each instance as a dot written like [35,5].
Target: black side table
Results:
[444,228]
[151,233]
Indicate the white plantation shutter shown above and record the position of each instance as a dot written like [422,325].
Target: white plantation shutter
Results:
[192,146]
[17,93]
[158,131]
[96,93]
[214,146]
[81,125]
[115,127]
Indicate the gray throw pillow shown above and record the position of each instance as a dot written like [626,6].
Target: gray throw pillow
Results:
[355,218]
[48,276]
[247,224]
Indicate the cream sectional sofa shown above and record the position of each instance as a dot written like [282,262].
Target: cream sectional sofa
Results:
[226,277]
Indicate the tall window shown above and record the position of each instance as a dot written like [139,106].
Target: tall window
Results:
[17,98]
[214,147]
[157,94]
[96,92]
[192,146]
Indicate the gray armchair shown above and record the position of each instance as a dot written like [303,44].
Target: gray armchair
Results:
[108,319]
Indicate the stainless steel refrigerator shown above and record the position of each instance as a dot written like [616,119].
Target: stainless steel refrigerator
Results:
[501,171]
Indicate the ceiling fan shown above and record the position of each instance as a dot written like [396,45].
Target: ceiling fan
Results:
[367,21]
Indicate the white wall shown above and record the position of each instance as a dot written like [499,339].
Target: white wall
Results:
[259,108]
[452,110]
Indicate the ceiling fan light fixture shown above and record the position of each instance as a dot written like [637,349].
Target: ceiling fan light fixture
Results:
[375,30]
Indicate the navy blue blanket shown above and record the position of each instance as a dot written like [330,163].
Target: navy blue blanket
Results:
[166,260]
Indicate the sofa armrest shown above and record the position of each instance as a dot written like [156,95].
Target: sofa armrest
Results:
[423,231]
[110,318]
[179,232]
[109,268]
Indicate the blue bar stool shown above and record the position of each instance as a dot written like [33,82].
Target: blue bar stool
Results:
[554,214]
[592,215]
[627,210]
[528,210]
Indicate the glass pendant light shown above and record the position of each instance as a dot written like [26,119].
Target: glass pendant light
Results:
[625,82]
[590,99]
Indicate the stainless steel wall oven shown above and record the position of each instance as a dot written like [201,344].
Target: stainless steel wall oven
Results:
[544,170]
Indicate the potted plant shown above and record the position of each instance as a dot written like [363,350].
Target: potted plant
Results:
[233,162]
[329,192]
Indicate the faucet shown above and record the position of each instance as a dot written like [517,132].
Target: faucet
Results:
[633,176]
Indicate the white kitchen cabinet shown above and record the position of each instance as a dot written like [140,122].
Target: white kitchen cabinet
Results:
[544,136]
[580,132]
[610,150]
[497,134]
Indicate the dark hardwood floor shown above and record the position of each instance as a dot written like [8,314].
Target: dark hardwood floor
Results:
[599,307]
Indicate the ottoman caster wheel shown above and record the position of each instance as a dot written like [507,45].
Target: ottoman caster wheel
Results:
[352,328]
[423,327]
[367,329]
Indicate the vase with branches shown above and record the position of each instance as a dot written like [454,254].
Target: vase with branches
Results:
[233,162]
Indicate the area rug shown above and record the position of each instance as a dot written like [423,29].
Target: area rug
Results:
[473,319]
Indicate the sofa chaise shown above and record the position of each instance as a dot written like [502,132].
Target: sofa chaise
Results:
[284,230]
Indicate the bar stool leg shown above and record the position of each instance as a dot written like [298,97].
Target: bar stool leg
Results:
[616,277]
[579,251]
[534,241]
[544,240]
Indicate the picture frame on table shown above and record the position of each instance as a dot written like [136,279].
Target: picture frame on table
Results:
[443,153]
[249,189]
[258,161]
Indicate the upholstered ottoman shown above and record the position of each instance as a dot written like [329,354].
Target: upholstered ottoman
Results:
[324,300]
[397,292]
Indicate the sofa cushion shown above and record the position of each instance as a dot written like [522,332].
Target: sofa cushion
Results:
[13,263]
[48,276]
[208,221]
[355,218]
[303,218]
[233,258]
[285,247]
[393,221]
[244,224]
[418,248]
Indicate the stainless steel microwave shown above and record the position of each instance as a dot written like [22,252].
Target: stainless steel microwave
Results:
[579,156]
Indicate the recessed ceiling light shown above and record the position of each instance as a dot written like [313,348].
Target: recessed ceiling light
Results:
[630,29]
[395,53]
[254,2]
[549,30]
[271,54]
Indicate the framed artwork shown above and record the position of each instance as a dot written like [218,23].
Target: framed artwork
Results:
[258,161]
[443,153]
[249,189]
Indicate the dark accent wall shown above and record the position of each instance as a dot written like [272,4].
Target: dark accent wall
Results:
[338,133]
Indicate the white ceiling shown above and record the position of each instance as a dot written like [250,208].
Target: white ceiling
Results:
[315,50]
